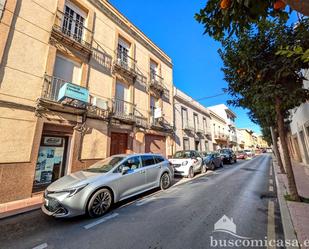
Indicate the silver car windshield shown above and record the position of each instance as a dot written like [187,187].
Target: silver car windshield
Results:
[105,165]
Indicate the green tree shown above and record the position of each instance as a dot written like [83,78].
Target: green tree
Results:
[263,81]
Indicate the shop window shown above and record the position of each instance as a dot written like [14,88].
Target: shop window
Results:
[51,161]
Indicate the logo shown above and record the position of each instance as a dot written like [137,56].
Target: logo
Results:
[227,225]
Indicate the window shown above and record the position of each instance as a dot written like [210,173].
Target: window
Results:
[159,159]
[154,103]
[67,70]
[204,124]
[122,99]
[184,117]
[148,161]
[73,22]
[123,51]
[133,163]
[153,70]
[2,5]
[195,119]
[186,144]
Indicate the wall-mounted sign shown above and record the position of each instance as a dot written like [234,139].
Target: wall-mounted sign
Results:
[52,141]
[73,92]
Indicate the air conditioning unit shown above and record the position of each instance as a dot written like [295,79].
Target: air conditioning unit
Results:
[99,103]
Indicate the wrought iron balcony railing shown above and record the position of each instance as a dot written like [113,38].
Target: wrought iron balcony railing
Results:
[221,136]
[123,110]
[187,127]
[72,31]
[156,81]
[124,63]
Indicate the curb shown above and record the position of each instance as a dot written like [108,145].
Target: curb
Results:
[288,228]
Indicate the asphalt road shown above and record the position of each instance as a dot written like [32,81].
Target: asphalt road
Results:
[181,217]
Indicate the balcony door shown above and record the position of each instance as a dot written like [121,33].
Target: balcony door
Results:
[184,117]
[65,70]
[123,52]
[122,99]
[153,70]
[73,21]
[154,103]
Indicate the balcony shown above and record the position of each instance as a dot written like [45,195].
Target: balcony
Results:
[156,82]
[125,65]
[199,131]
[187,127]
[233,138]
[72,33]
[207,132]
[123,110]
[51,88]
[221,137]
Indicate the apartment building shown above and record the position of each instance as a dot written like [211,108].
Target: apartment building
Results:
[78,82]
[192,124]
[230,129]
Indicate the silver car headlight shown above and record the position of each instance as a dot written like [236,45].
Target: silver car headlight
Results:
[184,163]
[72,191]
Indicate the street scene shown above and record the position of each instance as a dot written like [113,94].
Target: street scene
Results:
[168,124]
[187,210]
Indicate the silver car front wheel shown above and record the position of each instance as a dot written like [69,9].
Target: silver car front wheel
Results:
[100,203]
[165,181]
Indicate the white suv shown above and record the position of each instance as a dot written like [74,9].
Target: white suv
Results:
[187,163]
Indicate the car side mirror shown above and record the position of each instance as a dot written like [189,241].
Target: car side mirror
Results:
[125,170]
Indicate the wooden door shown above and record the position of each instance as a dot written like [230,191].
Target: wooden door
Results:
[119,143]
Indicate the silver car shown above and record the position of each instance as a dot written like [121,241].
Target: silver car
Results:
[94,190]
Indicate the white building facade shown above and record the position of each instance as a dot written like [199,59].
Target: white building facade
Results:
[298,138]
[229,117]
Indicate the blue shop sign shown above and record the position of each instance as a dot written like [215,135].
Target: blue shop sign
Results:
[73,92]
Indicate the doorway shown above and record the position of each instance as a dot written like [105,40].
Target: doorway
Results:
[119,143]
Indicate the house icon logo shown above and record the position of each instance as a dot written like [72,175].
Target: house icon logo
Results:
[227,225]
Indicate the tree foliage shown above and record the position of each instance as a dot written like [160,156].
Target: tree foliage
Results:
[239,15]
[256,74]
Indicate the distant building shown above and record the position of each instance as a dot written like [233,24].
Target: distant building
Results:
[230,129]
[248,139]
[218,131]
[192,124]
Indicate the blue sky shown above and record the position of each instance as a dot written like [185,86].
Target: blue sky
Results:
[197,65]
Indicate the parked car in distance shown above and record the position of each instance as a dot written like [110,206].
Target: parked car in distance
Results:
[187,163]
[212,160]
[241,154]
[249,153]
[228,156]
[95,189]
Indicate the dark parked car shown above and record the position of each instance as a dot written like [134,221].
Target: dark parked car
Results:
[212,160]
[228,156]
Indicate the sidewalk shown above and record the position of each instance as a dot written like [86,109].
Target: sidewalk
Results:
[299,212]
[20,206]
